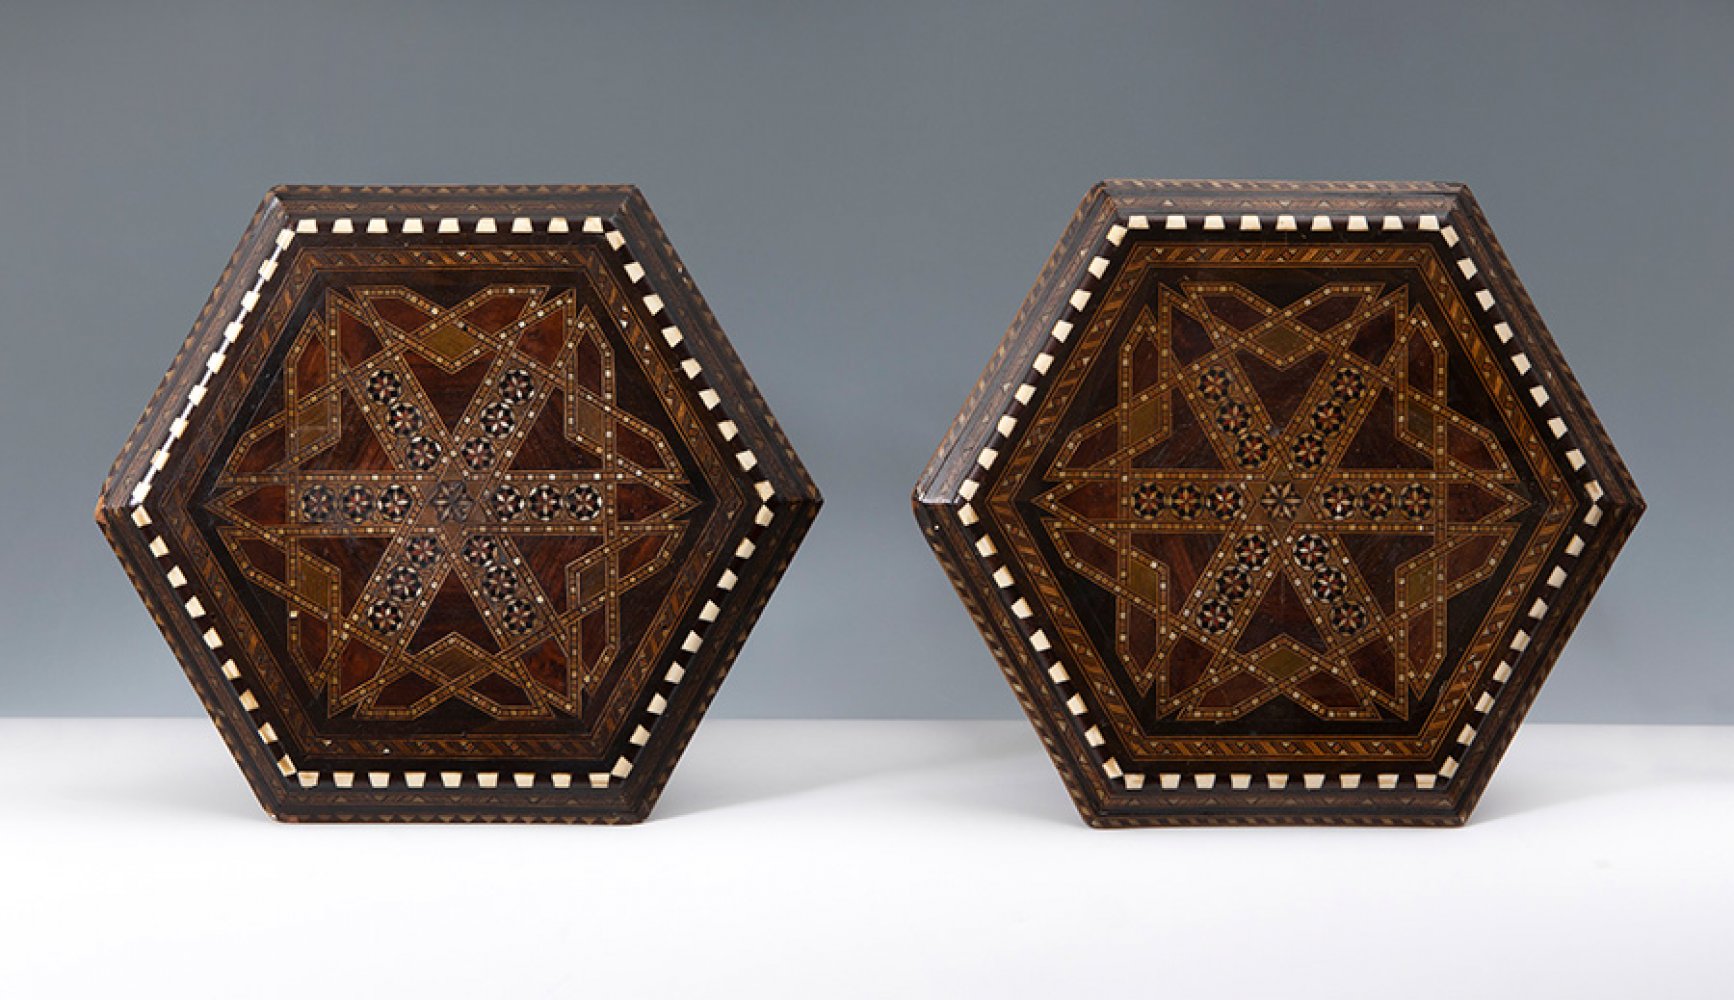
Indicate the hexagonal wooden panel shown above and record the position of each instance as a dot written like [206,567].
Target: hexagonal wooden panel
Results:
[1277,503]
[456,504]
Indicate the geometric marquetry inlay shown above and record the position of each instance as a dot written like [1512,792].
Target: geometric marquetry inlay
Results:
[1277,503]
[457,504]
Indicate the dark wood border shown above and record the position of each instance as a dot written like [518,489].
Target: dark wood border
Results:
[939,495]
[793,506]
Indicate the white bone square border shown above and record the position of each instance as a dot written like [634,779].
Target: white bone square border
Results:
[674,672]
[1521,374]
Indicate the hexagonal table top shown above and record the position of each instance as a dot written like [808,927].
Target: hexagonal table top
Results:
[456,504]
[1277,503]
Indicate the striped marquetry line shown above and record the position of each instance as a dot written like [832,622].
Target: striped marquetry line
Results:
[1286,222]
[1526,382]
[726,426]
[267,268]
[158,546]
[1002,432]
[1006,426]
[213,640]
[695,637]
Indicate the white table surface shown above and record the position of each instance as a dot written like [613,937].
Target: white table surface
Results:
[883,859]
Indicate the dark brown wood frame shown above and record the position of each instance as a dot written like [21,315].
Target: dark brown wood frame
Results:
[646,744]
[1028,644]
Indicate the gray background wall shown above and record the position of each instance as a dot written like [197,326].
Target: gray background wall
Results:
[864,192]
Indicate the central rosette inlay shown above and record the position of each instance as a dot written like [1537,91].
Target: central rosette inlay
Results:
[451,502]
[1281,501]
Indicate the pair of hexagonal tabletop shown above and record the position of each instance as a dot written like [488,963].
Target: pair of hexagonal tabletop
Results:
[1276,504]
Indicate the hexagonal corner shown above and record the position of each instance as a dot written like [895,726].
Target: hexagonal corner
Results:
[456,504]
[1277,503]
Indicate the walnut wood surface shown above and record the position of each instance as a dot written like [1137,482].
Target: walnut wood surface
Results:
[468,512]
[1277,503]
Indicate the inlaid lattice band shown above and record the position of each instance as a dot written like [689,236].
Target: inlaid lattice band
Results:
[1275,490]
[451,522]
